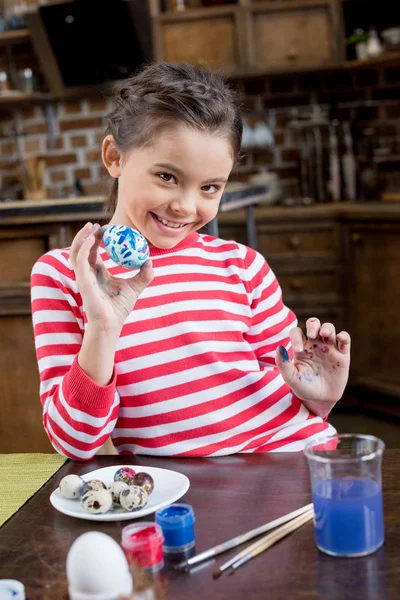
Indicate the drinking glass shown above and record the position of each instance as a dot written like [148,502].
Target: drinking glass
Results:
[346,485]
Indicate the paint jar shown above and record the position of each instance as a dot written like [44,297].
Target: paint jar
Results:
[143,545]
[177,523]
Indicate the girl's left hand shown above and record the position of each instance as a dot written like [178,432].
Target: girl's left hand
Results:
[320,368]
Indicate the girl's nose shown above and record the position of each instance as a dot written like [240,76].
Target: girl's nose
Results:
[184,205]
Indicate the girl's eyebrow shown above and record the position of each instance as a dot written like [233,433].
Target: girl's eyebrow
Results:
[171,167]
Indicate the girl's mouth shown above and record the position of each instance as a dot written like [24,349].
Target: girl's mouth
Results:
[170,226]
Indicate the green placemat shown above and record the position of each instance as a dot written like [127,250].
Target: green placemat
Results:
[21,475]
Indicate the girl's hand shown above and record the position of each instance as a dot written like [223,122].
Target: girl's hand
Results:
[320,368]
[107,300]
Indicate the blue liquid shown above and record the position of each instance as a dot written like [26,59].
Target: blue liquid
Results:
[348,516]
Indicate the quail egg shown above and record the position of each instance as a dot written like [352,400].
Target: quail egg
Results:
[134,498]
[97,501]
[71,486]
[144,480]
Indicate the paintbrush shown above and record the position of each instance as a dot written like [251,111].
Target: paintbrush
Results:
[264,543]
[239,539]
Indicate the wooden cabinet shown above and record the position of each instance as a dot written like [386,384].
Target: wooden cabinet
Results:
[21,428]
[291,35]
[250,36]
[373,295]
[303,249]
[211,38]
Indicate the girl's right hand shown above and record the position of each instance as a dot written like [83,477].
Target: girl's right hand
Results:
[107,300]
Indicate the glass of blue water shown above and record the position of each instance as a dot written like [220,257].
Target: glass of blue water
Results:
[346,485]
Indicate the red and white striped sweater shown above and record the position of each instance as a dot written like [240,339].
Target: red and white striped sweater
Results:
[194,373]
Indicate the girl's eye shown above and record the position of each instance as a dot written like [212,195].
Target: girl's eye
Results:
[210,189]
[167,177]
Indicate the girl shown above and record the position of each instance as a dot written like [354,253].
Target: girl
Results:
[191,355]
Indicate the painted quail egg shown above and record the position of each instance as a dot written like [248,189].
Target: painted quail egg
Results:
[144,480]
[92,485]
[71,486]
[116,488]
[124,474]
[134,498]
[97,501]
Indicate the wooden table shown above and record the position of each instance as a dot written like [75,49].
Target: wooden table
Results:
[229,495]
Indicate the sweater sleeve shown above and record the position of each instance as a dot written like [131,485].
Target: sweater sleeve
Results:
[271,319]
[78,414]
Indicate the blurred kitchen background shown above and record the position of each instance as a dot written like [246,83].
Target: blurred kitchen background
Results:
[317,190]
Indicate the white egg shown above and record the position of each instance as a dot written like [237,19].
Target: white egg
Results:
[97,566]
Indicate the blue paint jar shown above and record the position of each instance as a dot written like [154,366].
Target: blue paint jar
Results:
[177,523]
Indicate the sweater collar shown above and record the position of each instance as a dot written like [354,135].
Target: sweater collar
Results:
[187,242]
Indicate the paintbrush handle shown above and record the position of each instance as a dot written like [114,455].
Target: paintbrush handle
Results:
[270,539]
[241,539]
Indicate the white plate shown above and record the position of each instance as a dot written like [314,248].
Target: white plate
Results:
[168,487]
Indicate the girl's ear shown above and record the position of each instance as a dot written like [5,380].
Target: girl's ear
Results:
[111,156]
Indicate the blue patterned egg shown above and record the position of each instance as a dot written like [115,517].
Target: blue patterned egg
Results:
[126,246]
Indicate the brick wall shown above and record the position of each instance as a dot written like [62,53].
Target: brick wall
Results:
[78,133]
[369,99]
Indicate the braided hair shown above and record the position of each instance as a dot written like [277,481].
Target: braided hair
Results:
[164,94]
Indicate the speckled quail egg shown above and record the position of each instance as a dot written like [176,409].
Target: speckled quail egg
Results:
[144,480]
[92,485]
[97,501]
[134,498]
[71,486]
[124,474]
[116,488]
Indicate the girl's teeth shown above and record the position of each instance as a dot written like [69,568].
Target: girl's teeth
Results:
[170,224]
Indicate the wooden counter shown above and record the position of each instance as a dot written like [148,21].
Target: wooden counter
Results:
[340,263]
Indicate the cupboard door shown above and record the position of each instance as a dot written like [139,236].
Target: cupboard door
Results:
[374,300]
[301,37]
[208,42]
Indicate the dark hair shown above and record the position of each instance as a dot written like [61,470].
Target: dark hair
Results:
[166,93]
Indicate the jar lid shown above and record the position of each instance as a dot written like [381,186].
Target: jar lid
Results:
[11,589]
[175,516]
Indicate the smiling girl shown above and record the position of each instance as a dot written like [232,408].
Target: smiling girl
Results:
[192,354]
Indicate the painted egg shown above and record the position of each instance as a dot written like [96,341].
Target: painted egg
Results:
[126,246]
[145,481]
[134,498]
[71,486]
[124,474]
[96,502]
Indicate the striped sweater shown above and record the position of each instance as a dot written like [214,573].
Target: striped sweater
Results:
[194,371]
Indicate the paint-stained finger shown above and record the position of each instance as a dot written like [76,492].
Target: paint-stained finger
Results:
[327,333]
[100,231]
[343,342]
[93,254]
[297,339]
[312,328]
[285,365]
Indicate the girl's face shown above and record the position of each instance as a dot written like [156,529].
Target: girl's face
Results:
[173,187]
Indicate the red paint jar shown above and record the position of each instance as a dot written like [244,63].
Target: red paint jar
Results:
[142,543]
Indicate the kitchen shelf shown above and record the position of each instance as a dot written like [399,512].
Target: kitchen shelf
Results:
[8,38]
[19,98]
[205,12]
